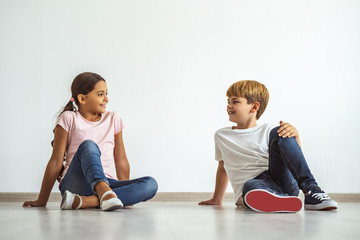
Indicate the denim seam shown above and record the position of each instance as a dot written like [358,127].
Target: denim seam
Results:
[289,163]
[273,141]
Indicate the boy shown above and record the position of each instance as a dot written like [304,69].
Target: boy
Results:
[264,163]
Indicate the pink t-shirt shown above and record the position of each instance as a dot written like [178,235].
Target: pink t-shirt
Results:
[101,132]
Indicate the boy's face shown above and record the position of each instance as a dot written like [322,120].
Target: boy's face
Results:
[239,110]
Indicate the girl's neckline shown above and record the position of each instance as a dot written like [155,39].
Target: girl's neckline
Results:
[101,116]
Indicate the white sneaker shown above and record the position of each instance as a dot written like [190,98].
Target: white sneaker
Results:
[68,200]
[110,204]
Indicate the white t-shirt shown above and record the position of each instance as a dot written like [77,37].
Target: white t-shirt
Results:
[245,153]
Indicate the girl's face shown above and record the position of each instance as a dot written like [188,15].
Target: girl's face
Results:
[97,99]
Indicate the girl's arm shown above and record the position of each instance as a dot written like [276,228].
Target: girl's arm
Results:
[53,168]
[121,162]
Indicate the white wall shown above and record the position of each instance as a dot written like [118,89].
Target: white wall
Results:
[168,65]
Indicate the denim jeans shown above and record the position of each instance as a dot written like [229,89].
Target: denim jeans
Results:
[288,170]
[85,171]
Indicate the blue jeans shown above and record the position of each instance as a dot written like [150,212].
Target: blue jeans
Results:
[85,171]
[288,170]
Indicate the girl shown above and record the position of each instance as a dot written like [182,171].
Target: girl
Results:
[91,141]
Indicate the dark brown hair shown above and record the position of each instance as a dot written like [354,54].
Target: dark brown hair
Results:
[82,84]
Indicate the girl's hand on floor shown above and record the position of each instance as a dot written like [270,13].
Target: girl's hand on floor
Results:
[33,204]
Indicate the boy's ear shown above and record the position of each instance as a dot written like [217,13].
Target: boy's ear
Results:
[255,107]
[81,98]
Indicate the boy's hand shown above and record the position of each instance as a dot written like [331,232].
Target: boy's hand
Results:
[240,202]
[287,130]
[210,202]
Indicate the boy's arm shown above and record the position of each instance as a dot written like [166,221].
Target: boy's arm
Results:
[220,186]
[288,130]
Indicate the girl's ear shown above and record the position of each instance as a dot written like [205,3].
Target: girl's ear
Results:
[81,98]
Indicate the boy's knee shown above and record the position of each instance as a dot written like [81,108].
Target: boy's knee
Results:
[274,133]
[287,141]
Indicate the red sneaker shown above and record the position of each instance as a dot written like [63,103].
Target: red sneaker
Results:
[264,201]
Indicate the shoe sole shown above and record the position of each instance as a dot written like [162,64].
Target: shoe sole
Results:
[111,204]
[321,207]
[264,201]
[113,208]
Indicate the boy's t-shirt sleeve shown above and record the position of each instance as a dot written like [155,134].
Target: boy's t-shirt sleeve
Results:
[218,155]
[65,120]
[118,123]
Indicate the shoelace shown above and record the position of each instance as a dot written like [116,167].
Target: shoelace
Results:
[320,196]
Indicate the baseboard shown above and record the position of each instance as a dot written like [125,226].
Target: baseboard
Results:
[166,197]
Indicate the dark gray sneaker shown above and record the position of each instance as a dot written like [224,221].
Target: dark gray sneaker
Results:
[316,199]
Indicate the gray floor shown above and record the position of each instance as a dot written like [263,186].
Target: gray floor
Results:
[176,220]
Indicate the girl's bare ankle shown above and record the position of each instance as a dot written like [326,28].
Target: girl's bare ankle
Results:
[76,202]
